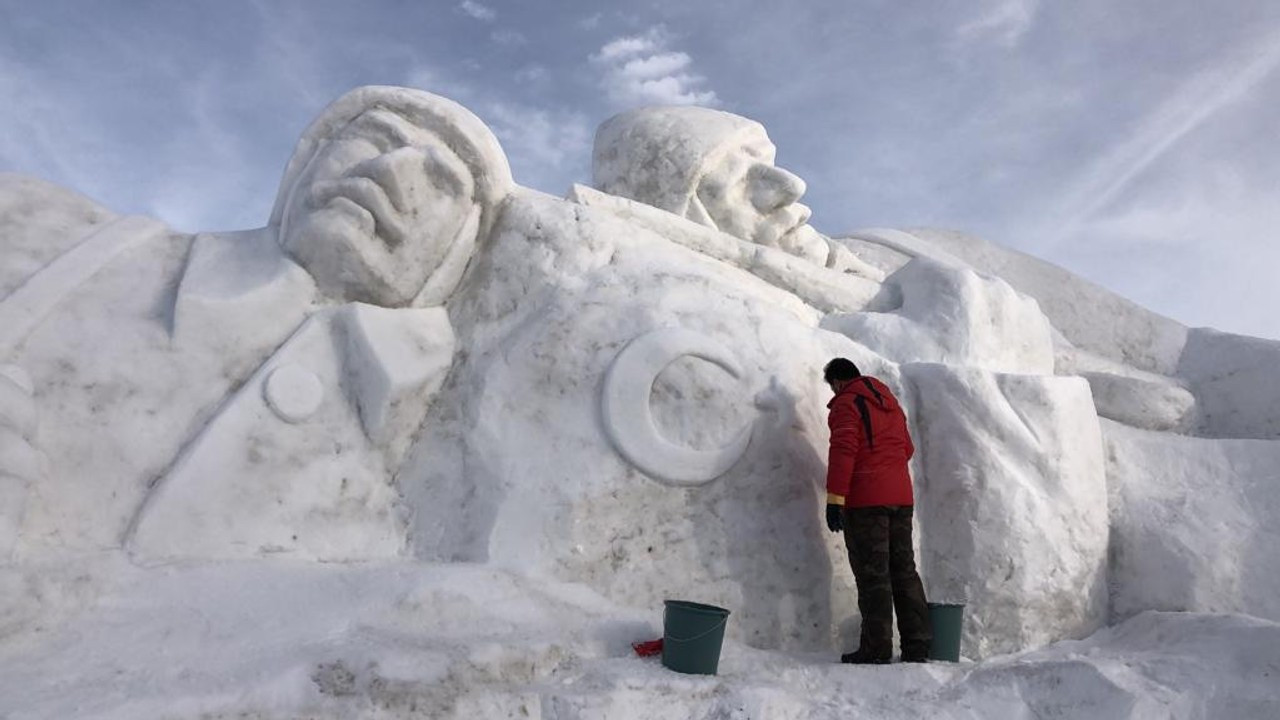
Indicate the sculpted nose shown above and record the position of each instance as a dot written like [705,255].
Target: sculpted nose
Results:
[398,173]
[772,187]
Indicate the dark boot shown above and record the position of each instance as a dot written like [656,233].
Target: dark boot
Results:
[858,657]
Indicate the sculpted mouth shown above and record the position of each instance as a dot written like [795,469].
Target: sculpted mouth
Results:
[784,222]
[368,196]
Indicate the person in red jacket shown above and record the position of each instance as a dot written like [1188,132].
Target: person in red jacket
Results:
[869,498]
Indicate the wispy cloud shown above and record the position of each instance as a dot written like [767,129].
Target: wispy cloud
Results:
[1196,101]
[508,37]
[480,12]
[642,70]
[548,147]
[534,74]
[1003,22]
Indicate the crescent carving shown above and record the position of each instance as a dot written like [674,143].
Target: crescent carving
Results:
[628,418]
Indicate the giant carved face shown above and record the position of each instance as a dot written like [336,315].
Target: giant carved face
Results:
[387,193]
[744,194]
[709,166]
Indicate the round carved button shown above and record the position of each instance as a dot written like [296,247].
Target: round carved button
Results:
[293,392]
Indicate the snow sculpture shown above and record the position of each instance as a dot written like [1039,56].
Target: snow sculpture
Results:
[301,389]
[716,169]
[625,406]
[386,200]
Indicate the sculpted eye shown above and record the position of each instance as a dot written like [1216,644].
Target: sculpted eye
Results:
[385,129]
[447,172]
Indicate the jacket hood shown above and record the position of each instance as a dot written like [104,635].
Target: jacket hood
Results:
[876,393]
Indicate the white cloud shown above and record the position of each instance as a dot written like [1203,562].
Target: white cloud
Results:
[625,47]
[641,70]
[544,145]
[656,66]
[480,12]
[1002,21]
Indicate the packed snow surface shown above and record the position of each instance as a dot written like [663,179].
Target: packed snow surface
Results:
[288,639]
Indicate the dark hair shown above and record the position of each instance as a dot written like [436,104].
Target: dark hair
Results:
[840,369]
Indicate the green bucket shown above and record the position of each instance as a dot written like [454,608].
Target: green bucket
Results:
[947,620]
[692,634]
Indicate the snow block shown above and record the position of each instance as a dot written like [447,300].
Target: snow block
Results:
[1193,523]
[1012,504]
[954,316]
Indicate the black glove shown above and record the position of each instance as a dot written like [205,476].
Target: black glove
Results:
[835,517]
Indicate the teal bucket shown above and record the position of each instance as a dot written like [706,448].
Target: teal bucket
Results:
[947,620]
[692,634]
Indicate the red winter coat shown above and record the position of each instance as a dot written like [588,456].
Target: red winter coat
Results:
[862,473]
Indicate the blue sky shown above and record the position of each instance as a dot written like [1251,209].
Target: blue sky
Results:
[1133,142]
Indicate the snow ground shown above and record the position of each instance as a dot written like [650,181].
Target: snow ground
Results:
[290,639]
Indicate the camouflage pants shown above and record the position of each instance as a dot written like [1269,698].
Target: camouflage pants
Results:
[884,568]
